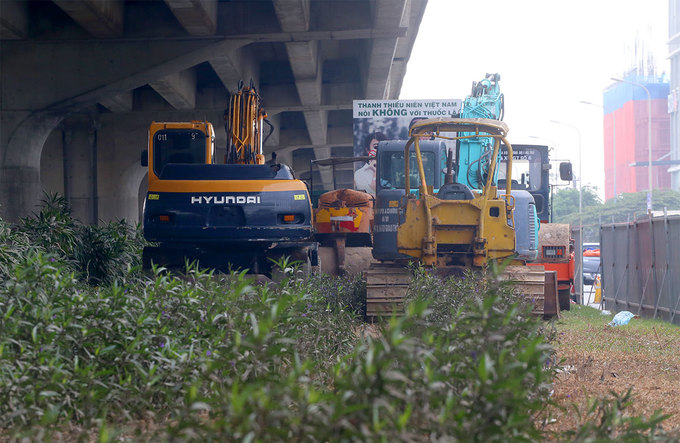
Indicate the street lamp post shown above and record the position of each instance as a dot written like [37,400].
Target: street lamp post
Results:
[580,209]
[649,138]
[613,136]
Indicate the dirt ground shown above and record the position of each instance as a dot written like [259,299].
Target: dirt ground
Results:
[356,260]
[601,359]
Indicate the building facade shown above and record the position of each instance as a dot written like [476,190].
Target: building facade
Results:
[674,93]
[626,134]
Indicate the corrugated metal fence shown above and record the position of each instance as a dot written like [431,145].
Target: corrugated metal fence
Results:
[641,267]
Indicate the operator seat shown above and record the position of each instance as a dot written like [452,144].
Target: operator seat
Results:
[455,191]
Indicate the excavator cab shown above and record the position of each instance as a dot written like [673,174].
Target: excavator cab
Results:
[180,146]
[530,172]
[191,142]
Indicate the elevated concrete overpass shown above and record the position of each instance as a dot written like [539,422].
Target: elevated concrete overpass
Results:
[81,80]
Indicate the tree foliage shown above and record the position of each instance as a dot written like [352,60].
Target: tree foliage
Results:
[624,208]
[565,203]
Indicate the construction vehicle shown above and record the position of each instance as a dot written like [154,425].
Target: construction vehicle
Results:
[343,218]
[455,217]
[239,214]
[531,166]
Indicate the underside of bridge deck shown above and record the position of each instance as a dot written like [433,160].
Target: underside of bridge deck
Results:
[82,80]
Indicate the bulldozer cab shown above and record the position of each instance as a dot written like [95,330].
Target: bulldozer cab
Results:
[391,188]
[456,129]
[392,174]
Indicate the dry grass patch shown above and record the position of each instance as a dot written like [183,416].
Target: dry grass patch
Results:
[643,356]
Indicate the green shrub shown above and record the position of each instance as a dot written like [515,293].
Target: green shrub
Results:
[108,253]
[13,246]
[53,228]
[483,375]
[98,254]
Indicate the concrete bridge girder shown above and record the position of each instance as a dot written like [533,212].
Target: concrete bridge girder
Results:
[234,66]
[103,19]
[198,17]
[121,102]
[13,19]
[20,171]
[113,67]
[306,64]
[388,13]
[178,89]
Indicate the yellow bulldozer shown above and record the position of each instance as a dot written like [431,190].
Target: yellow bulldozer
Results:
[452,218]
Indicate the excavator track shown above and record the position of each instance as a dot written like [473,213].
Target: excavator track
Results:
[386,287]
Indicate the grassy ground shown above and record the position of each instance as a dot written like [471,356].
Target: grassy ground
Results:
[642,356]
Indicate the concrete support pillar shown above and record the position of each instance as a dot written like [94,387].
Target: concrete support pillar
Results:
[120,141]
[326,173]
[80,168]
[128,199]
[20,190]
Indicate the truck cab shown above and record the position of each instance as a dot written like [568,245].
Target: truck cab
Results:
[530,172]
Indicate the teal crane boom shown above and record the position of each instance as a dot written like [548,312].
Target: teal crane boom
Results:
[473,156]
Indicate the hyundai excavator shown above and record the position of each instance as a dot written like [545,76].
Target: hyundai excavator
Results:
[452,215]
[237,214]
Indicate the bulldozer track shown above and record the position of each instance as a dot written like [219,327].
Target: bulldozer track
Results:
[386,288]
[387,285]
